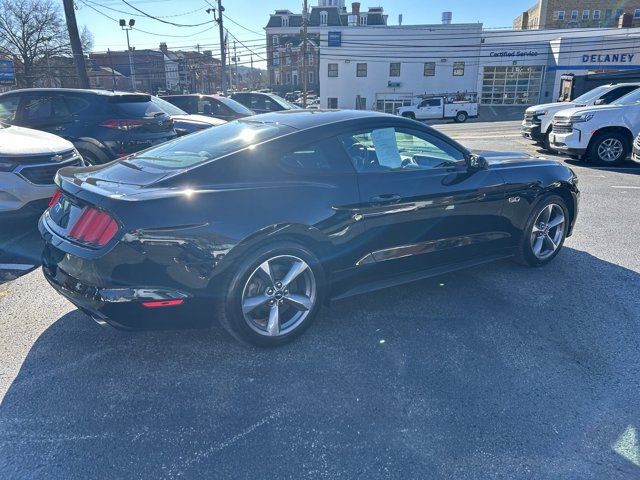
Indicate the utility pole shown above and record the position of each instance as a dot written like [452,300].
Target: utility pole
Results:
[226,39]
[76,45]
[123,25]
[235,61]
[253,78]
[305,77]
[223,57]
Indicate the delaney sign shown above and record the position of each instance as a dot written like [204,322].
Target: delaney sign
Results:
[609,58]
[7,72]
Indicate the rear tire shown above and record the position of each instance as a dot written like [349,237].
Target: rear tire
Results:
[461,117]
[609,148]
[273,296]
[545,232]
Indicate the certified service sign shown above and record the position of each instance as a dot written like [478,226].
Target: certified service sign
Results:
[7,72]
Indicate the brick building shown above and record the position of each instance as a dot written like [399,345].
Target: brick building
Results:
[284,40]
[547,14]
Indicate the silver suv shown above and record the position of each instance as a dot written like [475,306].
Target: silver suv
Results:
[29,160]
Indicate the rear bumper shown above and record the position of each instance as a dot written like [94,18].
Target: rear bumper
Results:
[109,296]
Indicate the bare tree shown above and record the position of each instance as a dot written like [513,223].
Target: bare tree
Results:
[30,31]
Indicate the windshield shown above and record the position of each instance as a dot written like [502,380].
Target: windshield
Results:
[207,145]
[632,98]
[235,106]
[283,103]
[167,107]
[591,95]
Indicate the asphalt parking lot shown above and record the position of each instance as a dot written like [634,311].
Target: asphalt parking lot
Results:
[495,372]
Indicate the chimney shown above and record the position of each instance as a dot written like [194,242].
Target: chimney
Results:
[163,47]
[400,19]
[446,18]
[625,20]
[355,10]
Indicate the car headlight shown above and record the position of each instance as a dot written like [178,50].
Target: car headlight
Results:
[539,113]
[583,117]
[7,166]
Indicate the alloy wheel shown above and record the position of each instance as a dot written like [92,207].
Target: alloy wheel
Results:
[610,150]
[548,231]
[279,295]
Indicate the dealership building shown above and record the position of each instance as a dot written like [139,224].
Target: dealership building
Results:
[384,67]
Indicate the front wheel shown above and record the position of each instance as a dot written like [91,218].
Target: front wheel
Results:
[461,117]
[609,149]
[545,232]
[410,115]
[274,295]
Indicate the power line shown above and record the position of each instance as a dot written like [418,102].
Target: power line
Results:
[242,26]
[166,21]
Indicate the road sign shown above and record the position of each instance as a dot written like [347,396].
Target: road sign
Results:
[7,72]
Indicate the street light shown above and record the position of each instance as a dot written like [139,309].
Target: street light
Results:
[126,28]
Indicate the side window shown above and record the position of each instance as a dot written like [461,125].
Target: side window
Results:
[434,102]
[38,110]
[9,107]
[78,105]
[424,103]
[311,158]
[617,93]
[181,102]
[392,149]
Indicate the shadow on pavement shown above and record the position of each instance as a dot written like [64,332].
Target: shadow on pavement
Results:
[20,247]
[494,372]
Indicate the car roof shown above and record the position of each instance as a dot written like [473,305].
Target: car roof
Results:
[209,95]
[76,90]
[303,119]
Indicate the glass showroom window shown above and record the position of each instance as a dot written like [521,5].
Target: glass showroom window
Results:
[511,85]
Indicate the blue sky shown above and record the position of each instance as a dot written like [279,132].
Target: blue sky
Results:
[254,14]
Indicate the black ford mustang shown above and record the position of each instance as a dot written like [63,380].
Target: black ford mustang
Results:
[256,222]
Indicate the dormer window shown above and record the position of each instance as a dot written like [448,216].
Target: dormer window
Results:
[285,21]
[324,18]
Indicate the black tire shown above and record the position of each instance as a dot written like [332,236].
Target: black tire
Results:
[546,142]
[599,144]
[461,117]
[230,311]
[525,253]
[410,115]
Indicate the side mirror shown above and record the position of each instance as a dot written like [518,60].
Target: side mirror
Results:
[476,162]
[600,101]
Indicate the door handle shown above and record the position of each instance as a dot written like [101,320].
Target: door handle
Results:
[385,198]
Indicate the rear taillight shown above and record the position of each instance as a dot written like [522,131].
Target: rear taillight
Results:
[122,123]
[94,228]
[55,198]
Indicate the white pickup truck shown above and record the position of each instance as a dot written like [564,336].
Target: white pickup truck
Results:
[434,108]
[602,134]
[536,125]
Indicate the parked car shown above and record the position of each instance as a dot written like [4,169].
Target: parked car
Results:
[29,160]
[434,108]
[602,134]
[258,221]
[215,106]
[263,102]
[102,125]
[537,126]
[183,122]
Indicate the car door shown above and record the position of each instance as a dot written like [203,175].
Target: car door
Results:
[47,112]
[421,204]
[434,108]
